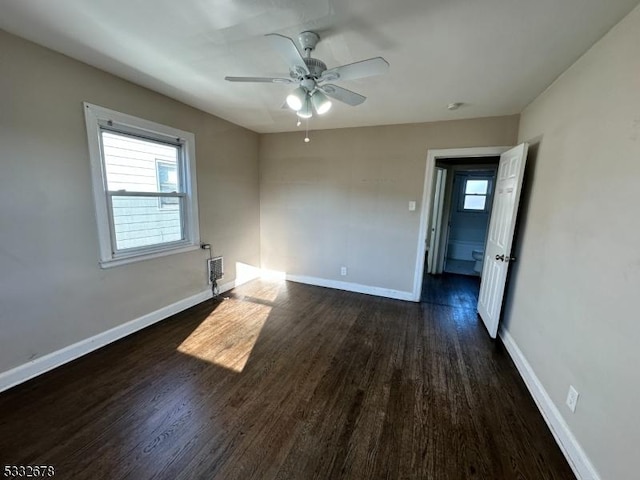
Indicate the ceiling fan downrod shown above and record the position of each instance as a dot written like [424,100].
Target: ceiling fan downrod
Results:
[308,41]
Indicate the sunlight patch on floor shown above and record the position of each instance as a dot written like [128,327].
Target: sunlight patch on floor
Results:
[245,273]
[227,336]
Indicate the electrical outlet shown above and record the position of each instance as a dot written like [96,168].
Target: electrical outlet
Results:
[412,206]
[343,271]
[572,398]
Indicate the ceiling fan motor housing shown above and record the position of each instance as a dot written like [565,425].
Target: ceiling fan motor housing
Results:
[315,66]
[308,41]
[308,81]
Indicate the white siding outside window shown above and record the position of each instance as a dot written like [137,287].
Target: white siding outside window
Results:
[144,187]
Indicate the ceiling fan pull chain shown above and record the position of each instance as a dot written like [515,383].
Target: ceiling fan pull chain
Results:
[306,138]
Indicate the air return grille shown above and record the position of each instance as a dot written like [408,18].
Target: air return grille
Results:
[215,267]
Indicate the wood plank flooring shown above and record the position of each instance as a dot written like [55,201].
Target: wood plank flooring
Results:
[287,381]
[452,290]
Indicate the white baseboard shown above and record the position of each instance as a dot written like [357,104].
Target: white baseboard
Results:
[352,287]
[575,455]
[43,364]
[47,362]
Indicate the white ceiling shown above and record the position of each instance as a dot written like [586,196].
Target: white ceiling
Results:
[493,55]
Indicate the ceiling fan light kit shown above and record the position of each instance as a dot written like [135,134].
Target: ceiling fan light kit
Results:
[320,102]
[305,111]
[295,100]
[312,74]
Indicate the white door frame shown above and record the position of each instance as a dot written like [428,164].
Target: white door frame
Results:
[435,219]
[432,156]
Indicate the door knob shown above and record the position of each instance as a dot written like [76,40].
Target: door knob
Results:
[500,257]
[510,259]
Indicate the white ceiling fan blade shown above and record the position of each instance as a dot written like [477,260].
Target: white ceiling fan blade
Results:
[259,79]
[343,95]
[287,48]
[364,68]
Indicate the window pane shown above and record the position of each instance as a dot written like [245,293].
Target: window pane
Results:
[477,186]
[167,175]
[131,163]
[474,202]
[143,221]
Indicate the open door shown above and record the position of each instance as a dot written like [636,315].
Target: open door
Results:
[436,220]
[497,253]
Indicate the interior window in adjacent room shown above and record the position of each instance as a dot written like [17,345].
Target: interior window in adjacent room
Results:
[476,192]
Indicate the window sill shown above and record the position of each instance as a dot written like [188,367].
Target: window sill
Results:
[116,262]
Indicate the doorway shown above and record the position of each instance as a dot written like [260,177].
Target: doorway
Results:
[459,223]
[467,207]
[499,241]
[472,167]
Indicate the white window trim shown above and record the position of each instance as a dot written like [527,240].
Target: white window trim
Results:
[94,117]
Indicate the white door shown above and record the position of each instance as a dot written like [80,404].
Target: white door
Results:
[436,220]
[497,252]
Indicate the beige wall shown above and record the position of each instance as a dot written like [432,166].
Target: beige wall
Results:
[342,199]
[573,302]
[52,291]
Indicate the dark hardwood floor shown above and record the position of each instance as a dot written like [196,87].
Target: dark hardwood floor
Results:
[451,290]
[287,381]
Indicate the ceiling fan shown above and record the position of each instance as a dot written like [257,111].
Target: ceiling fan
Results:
[312,75]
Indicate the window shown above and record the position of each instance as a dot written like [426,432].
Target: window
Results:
[144,187]
[476,193]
